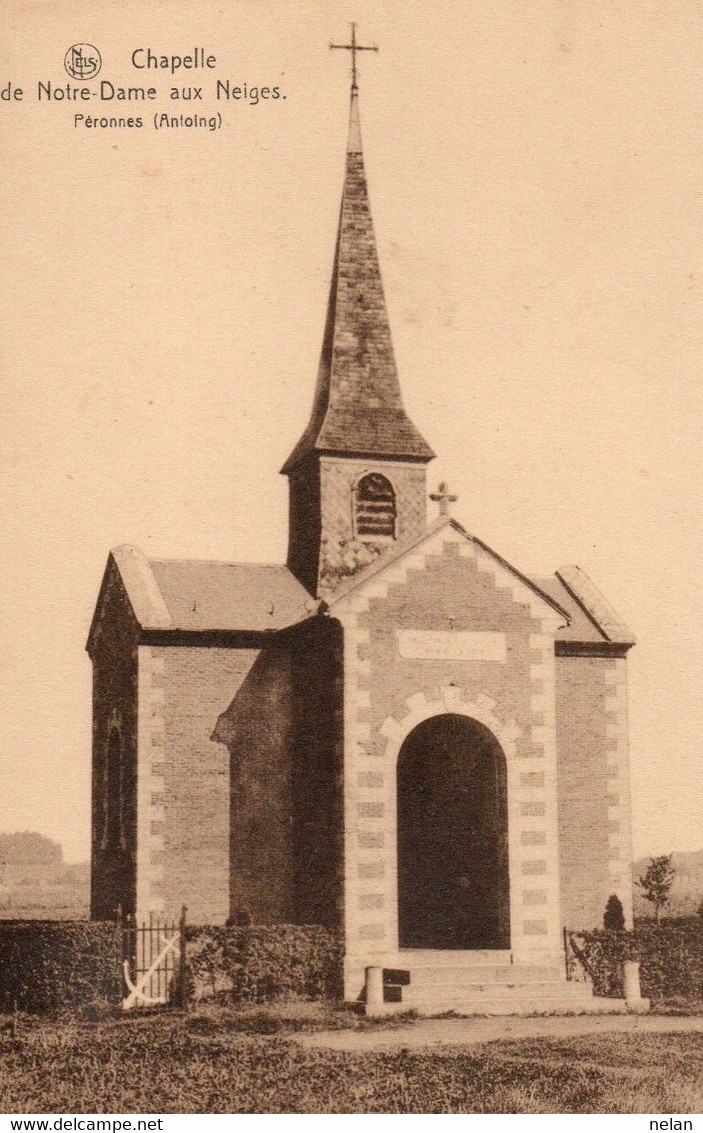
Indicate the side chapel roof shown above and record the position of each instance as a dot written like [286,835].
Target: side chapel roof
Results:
[591,617]
[196,596]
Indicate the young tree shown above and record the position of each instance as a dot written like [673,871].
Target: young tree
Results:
[614,916]
[657,881]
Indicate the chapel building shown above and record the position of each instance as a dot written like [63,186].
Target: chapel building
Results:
[397,734]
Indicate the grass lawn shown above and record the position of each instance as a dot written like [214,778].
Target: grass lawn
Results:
[220,1062]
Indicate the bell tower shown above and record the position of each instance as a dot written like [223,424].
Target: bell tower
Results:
[358,474]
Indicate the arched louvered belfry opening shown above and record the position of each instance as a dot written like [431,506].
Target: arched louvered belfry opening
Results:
[453,876]
[374,507]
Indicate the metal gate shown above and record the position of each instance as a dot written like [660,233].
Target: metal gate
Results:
[153,962]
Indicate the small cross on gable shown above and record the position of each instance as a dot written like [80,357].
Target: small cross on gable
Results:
[443,497]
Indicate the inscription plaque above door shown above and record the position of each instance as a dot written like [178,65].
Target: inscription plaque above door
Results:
[451,645]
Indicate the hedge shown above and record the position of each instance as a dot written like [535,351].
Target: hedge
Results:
[49,965]
[261,963]
[670,954]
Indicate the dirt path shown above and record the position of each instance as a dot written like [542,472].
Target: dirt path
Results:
[468,1032]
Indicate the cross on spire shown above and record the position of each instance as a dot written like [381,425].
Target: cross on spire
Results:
[353,47]
[443,497]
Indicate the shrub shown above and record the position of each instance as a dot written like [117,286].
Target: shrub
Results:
[670,954]
[601,954]
[49,965]
[614,916]
[261,963]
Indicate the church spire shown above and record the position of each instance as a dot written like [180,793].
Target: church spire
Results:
[354,139]
[358,474]
[358,409]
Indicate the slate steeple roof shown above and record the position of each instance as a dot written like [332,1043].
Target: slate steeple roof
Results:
[358,409]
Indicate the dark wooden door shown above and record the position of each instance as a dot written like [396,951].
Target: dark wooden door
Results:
[453,880]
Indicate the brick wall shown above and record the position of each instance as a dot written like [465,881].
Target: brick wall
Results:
[450,592]
[304,523]
[184,779]
[256,728]
[593,778]
[282,731]
[317,772]
[113,861]
[239,795]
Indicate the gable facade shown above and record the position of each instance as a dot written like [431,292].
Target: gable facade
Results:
[448,629]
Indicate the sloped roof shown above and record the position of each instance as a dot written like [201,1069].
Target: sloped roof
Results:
[591,617]
[202,596]
[230,596]
[580,627]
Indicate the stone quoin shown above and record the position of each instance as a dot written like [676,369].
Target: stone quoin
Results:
[397,734]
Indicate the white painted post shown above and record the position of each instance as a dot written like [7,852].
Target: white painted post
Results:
[374,991]
[633,994]
[631,979]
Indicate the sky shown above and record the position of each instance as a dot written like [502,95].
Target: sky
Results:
[534,173]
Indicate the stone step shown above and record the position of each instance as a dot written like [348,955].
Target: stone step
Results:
[447,957]
[531,989]
[522,1004]
[485,973]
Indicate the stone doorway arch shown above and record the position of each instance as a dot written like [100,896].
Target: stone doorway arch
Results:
[452,809]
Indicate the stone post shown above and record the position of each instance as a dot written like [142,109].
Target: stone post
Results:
[633,995]
[374,992]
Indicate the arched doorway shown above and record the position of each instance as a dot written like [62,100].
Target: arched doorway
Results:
[453,880]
